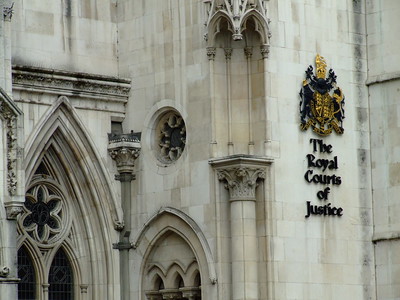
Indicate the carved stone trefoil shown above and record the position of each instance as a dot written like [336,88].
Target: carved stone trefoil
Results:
[237,13]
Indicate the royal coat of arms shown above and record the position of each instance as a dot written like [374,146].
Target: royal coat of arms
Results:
[322,102]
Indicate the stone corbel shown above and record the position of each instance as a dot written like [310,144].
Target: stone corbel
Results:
[241,181]
[240,174]
[13,209]
[124,149]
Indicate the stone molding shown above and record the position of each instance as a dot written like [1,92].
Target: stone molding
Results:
[240,174]
[68,83]
[9,113]
[237,13]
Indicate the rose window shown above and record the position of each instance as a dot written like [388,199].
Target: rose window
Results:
[172,137]
[43,217]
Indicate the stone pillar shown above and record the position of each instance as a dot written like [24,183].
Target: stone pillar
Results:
[240,174]
[124,149]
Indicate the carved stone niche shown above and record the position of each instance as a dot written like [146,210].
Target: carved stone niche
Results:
[240,174]
[237,14]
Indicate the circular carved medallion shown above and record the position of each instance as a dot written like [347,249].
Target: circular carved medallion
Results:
[171,136]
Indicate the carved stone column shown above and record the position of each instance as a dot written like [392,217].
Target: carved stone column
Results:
[240,173]
[124,149]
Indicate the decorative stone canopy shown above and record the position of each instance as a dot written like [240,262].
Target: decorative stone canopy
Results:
[236,13]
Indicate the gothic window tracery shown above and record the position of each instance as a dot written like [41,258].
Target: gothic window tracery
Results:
[60,278]
[26,273]
[44,225]
[43,217]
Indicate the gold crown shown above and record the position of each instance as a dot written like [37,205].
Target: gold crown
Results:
[321,66]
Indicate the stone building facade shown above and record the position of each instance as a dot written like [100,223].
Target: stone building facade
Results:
[160,149]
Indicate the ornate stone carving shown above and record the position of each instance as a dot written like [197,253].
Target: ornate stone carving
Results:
[171,136]
[10,118]
[71,83]
[211,51]
[264,50]
[13,209]
[124,149]
[171,294]
[240,174]
[248,52]
[84,288]
[45,217]
[237,13]
[119,225]
[191,293]
[241,181]
[8,12]
[153,295]
[228,53]
[4,271]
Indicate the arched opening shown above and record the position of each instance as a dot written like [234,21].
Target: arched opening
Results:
[27,276]
[61,278]
[68,202]
[177,251]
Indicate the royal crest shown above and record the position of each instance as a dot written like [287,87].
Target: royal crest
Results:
[322,102]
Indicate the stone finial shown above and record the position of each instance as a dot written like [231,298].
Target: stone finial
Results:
[124,149]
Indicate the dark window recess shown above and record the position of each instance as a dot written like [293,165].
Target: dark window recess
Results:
[26,272]
[42,170]
[116,127]
[61,278]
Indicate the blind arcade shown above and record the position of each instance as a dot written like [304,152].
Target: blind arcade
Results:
[316,175]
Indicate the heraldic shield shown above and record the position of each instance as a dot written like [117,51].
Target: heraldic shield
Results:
[322,102]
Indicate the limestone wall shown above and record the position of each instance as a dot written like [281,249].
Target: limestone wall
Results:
[383,81]
[66,35]
[163,51]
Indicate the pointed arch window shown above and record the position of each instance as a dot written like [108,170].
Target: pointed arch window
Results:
[61,278]
[26,272]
